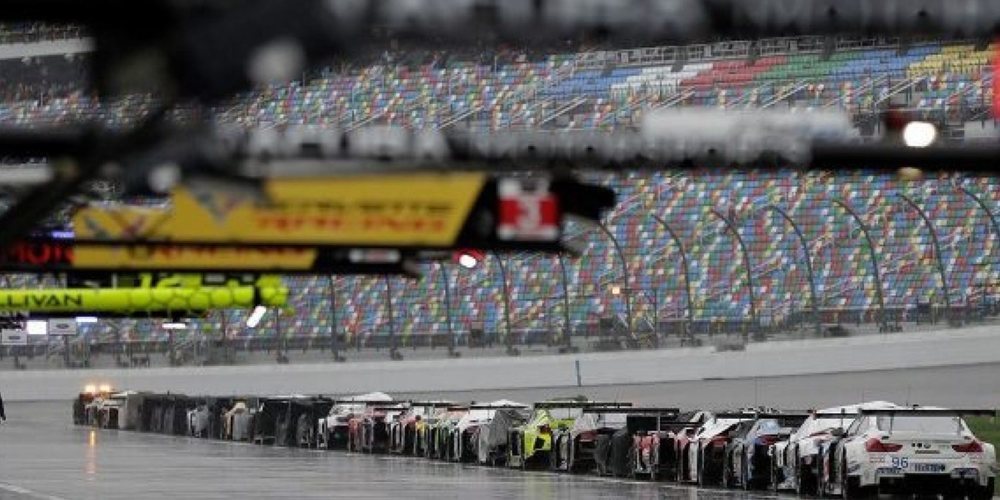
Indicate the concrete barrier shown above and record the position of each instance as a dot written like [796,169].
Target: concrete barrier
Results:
[771,359]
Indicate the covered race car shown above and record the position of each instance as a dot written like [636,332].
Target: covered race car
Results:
[494,437]
[368,432]
[237,420]
[198,419]
[463,441]
[288,420]
[333,429]
[403,431]
[438,434]
[909,450]
[703,451]
[747,461]
[636,449]
[796,462]
[530,444]
[573,448]
[166,413]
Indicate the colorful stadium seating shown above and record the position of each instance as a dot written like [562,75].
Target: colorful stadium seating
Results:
[539,94]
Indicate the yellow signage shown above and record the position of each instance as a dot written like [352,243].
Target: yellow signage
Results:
[143,257]
[395,210]
[180,294]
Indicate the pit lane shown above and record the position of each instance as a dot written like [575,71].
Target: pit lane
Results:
[43,456]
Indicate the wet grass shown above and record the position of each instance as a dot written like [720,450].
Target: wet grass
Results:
[987,429]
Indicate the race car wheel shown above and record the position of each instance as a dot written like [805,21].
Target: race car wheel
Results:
[702,480]
[805,483]
[745,480]
[850,488]
[984,493]
[633,463]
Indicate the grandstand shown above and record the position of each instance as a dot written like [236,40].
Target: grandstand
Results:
[646,302]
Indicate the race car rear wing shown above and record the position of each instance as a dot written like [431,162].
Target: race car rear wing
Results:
[736,415]
[930,412]
[642,420]
[498,407]
[667,413]
[927,412]
[830,414]
[365,403]
[786,419]
[390,408]
[432,404]
[581,404]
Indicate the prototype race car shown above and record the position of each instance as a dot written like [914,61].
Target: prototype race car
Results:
[463,440]
[332,431]
[573,448]
[703,451]
[368,432]
[795,462]
[531,443]
[644,447]
[909,450]
[494,437]
[440,433]
[747,462]
[403,431]
[237,421]
[198,419]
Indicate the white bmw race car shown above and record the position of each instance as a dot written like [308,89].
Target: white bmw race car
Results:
[796,463]
[909,450]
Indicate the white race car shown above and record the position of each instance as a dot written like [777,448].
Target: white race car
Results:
[795,462]
[706,449]
[910,450]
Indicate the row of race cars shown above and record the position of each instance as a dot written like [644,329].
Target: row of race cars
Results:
[853,451]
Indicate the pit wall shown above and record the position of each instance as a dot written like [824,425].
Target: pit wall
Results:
[771,359]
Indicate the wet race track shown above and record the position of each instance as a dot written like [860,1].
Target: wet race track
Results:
[48,458]
[43,456]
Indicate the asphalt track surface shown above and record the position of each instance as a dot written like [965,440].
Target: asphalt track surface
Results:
[43,456]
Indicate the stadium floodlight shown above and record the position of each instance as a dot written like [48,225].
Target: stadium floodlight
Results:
[467,261]
[37,327]
[255,316]
[918,134]
[175,326]
[85,320]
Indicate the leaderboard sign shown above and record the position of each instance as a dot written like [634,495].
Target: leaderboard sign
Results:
[346,225]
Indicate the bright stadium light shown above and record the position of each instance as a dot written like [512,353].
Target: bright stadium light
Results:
[468,261]
[37,327]
[84,320]
[175,326]
[919,134]
[256,316]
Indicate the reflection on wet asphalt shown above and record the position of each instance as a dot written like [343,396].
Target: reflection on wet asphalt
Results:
[43,456]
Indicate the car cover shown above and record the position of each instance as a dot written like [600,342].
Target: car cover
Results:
[621,445]
[495,435]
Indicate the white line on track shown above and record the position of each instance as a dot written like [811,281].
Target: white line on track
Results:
[13,488]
